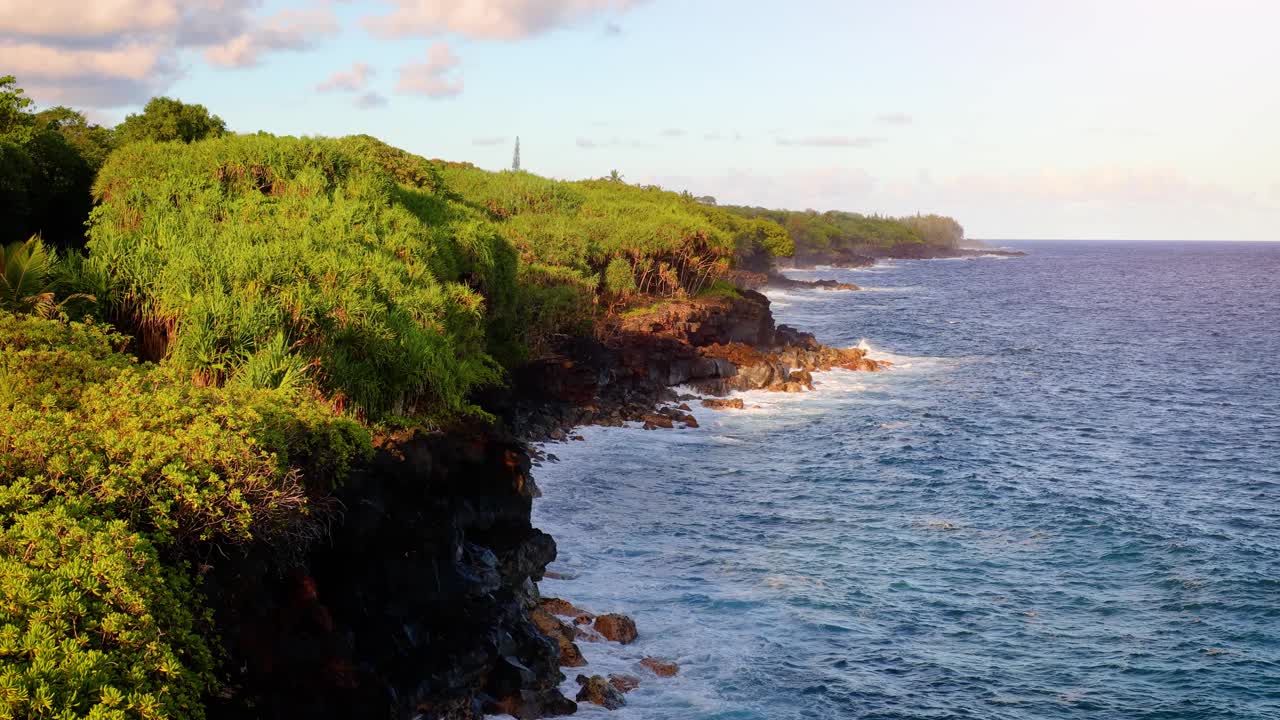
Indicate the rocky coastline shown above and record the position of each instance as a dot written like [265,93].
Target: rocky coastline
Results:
[422,602]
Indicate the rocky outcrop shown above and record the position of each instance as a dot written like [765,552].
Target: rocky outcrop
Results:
[599,691]
[562,633]
[616,628]
[661,668]
[624,683]
[417,605]
[716,346]
[778,280]
[788,369]
[719,404]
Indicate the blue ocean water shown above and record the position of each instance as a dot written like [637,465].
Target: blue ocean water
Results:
[1063,501]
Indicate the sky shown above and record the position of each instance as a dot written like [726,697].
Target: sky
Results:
[1024,119]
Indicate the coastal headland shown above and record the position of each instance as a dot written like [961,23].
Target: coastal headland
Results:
[269,404]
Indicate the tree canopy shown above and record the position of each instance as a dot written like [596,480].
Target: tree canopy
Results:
[164,119]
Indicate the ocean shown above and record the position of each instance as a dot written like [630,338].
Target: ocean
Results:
[1062,501]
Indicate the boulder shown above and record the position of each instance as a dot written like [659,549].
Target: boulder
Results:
[562,633]
[596,689]
[661,668]
[563,608]
[658,420]
[718,404]
[616,627]
[624,683]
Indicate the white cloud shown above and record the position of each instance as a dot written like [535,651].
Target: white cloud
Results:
[488,19]
[74,19]
[430,78]
[353,80]
[32,60]
[587,143]
[286,30]
[110,53]
[831,141]
[896,118]
[370,100]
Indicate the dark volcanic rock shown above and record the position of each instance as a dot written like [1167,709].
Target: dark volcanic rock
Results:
[418,604]
[596,689]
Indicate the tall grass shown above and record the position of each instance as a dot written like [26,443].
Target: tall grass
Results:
[223,249]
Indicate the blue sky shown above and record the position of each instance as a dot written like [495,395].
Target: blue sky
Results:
[1023,119]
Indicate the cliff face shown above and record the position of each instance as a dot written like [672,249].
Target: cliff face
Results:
[416,606]
[419,603]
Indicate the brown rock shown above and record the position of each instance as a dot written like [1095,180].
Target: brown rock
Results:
[596,689]
[624,683]
[657,420]
[562,633]
[684,406]
[616,627]
[690,421]
[718,404]
[563,608]
[661,668]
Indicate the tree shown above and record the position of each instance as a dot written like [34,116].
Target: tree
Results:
[44,177]
[93,142]
[165,120]
[13,104]
[615,176]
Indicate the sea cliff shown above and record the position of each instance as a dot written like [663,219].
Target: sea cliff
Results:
[422,601]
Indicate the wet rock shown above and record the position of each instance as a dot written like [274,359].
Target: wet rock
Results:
[563,608]
[616,627]
[624,683]
[684,406]
[562,633]
[658,420]
[597,690]
[661,668]
[719,404]
[690,421]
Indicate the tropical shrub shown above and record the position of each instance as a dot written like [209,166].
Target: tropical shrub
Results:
[216,250]
[187,464]
[92,623]
[30,275]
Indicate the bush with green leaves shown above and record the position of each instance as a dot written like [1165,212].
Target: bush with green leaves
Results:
[165,119]
[217,250]
[191,464]
[112,472]
[92,624]
[668,242]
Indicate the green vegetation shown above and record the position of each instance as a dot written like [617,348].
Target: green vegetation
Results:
[114,471]
[231,254]
[47,161]
[166,120]
[198,331]
[836,235]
